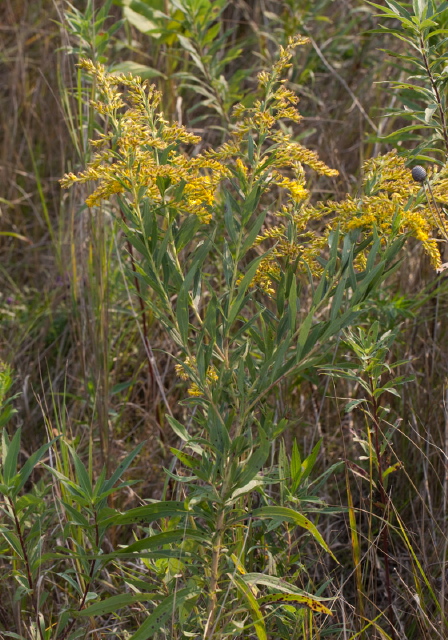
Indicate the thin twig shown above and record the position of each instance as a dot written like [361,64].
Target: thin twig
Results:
[333,72]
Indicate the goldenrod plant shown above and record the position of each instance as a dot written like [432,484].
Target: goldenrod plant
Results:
[237,323]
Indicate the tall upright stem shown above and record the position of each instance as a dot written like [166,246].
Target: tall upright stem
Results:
[214,575]
[384,506]
[436,92]
[27,567]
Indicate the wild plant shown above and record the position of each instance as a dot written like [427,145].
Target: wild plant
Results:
[238,321]
[253,286]
[422,27]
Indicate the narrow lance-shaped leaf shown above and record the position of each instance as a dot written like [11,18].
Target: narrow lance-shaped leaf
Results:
[162,612]
[124,464]
[256,461]
[292,598]
[110,605]
[10,455]
[257,616]
[289,515]
[149,513]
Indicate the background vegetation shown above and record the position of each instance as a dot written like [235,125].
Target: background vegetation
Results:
[89,357]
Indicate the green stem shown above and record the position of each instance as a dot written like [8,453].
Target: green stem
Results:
[27,566]
[384,505]
[435,91]
[89,580]
[214,574]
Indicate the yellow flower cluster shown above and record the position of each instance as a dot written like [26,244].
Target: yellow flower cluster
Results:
[390,197]
[139,153]
[390,200]
[278,161]
[276,148]
[190,362]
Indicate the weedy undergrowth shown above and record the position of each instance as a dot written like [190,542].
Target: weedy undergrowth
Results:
[254,288]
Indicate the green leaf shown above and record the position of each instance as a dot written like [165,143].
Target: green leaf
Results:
[187,231]
[310,461]
[292,598]
[304,331]
[219,435]
[183,434]
[273,582]
[420,8]
[82,475]
[161,539]
[257,616]
[162,612]
[13,541]
[136,69]
[296,467]
[189,461]
[76,516]
[236,305]
[124,464]
[10,455]
[109,605]
[29,465]
[253,233]
[292,306]
[289,515]
[149,513]
[256,461]
[338,296]
[229,218]
[183,299]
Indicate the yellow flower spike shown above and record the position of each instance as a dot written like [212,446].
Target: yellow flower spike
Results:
[194,390]
[136,133]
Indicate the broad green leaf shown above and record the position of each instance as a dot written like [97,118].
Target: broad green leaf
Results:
[219,436]
[189,461]
[310,461]
[29,465]
[247,488]
[273,582]
[229,218]
[77,517]
[136,69]
[420,8]
[183,299]
[292,304]
[253,233]
[338,296]
[304,331]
